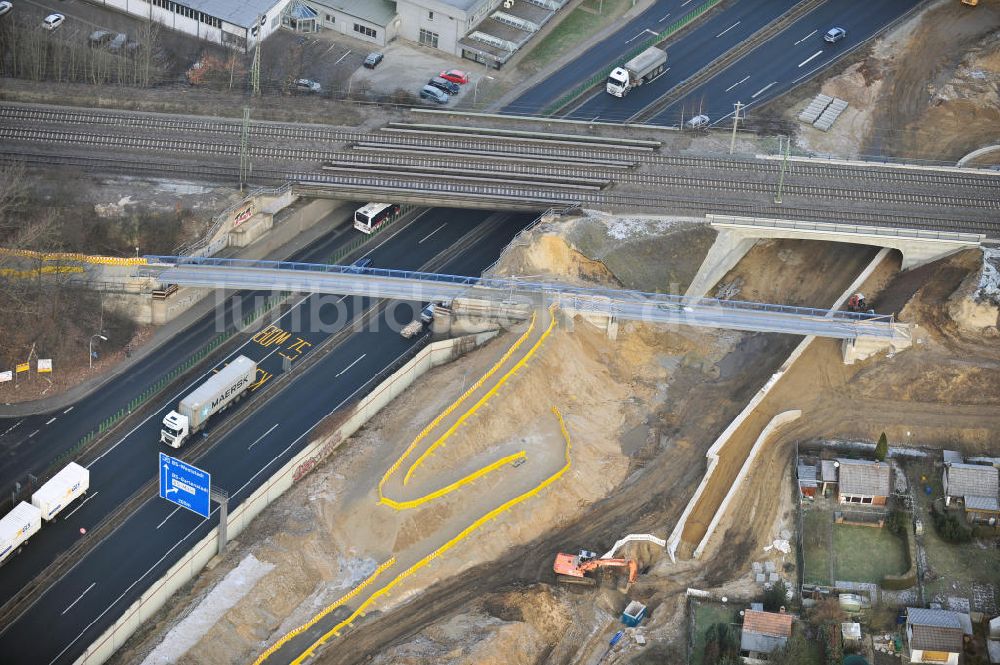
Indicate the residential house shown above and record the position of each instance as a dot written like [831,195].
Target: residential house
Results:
[976,486]
[763,633]
[936,636]
[864,481]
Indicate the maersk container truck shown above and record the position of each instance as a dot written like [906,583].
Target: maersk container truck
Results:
[643,68]
[17,526]
[225,387]
[61,490]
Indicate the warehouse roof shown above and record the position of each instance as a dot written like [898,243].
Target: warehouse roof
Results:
[863,477]
[377,12]
[243,13]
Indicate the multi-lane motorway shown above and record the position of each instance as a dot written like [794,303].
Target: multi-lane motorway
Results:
[78,607]
[774,67]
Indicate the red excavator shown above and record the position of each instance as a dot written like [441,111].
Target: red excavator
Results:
[856,303]
[574,568]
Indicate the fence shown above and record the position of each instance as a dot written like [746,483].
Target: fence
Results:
[603,74]
[191,563]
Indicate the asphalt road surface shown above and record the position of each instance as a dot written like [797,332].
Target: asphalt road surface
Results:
[80,606]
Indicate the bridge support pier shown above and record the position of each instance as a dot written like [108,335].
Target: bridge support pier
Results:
[729,247]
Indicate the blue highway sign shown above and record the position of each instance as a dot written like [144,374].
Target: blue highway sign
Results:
[185,485]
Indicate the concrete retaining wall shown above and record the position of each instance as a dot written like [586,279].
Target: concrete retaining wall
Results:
[294,470]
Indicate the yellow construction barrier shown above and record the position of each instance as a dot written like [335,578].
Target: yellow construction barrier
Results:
[74,257]
[447,546]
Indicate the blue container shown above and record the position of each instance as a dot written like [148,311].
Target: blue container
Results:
[634,614]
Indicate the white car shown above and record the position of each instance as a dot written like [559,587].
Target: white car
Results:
[53,21]
[5,7]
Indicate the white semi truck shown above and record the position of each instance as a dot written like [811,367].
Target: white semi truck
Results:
[73,481]
[228,385]
[643,68]
[17,526]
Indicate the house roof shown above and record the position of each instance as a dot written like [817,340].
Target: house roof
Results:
[807,475]
[767,623]
[829,471]
[750,641]
[952,457]
[864,478]
[988,503]
[935,630]
[971,480]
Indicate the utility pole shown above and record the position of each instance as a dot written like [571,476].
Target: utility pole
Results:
[255,69]
[736,119]
[784,165]
[245,148]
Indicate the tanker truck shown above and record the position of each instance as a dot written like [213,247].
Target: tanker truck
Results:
[643,68]
[228,385]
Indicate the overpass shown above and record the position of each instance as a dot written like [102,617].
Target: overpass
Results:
[609,304]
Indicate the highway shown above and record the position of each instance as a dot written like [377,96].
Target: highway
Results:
[78,607]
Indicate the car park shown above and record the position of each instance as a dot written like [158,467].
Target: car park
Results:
[834,35]
[455,76]
[53,21]
[372,60]
[433,94]
[5,7]
[308,85]
[444,86]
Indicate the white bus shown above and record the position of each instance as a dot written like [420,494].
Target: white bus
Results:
[372,216]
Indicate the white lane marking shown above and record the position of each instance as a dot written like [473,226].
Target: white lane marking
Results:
[343,56]
[737,83]
[92,585]
[685,3]
[332,46]
[13,427]
[664,17]
[432,233]
[81,505]
[139,579]
[812,57]
[67,410]
[34,433]
[754,95]
[168,516]
[628,41]
[244,345]
[806,37]
[728,29]
[50,421]
[351,365]
[262,436]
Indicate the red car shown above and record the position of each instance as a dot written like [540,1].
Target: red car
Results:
[455,76]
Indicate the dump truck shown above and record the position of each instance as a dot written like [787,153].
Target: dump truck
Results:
[61,490]
[224,388]
[17,526]
[643,68]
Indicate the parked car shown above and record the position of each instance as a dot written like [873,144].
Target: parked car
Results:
[118,42]
[308,85]
[434,94]
[698,122]
[53,21]
[372,60]
[100,37]
[834,35]
[5,7]
[427,313]
[455,76]
[445,86]
[363,262]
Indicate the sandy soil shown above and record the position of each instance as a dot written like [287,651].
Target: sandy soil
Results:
[928,89]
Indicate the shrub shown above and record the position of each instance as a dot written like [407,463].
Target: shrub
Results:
[776,596]
[949,527]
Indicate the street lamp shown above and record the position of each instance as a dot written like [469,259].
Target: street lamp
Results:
[475,90]
[92,347]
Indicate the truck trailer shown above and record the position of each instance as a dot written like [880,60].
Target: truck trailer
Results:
[228,385]
[643,68]
[17,526]
[61,490]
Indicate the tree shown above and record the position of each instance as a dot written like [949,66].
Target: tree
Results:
[776,597]
[881,448]
[722,643]
[795,652]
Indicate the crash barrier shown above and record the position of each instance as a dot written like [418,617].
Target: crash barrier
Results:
[74,257]
[645,44]
[294,470]
[165,380]
[335,631]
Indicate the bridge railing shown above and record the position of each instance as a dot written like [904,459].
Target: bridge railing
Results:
[833,227]
[597,299]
